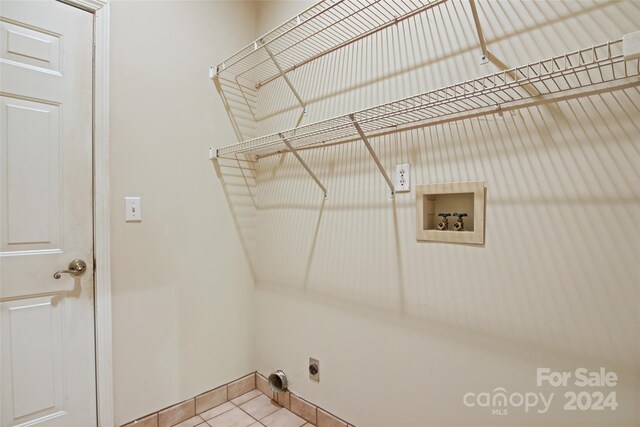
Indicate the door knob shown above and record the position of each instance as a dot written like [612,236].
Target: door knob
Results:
[77,267]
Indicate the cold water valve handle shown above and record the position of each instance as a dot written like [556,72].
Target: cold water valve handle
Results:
[444,224]
[459,226]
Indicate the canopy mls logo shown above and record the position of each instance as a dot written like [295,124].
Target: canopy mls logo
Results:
[500,401]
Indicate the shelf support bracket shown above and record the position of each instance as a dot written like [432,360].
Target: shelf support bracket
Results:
[476,20]
[227,107]
[372,152]
[246,101]
[303,163]
[285,77]
[490,57]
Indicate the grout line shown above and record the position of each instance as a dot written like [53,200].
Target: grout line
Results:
[223,412]
[252,417]
[310,403]
[256,419]
[253,398]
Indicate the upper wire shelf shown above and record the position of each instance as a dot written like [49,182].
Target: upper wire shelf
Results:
[319,30]
[588,71]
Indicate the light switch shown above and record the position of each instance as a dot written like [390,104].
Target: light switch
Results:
[133,210]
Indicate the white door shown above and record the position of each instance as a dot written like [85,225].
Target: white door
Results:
[47,365]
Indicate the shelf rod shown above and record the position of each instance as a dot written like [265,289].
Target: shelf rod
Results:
[285,77]
[372,152]
[303,163]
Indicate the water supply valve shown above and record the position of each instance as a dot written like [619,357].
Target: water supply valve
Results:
[444,224]
[459,226]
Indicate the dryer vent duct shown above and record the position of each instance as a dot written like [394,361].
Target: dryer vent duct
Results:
[278,381]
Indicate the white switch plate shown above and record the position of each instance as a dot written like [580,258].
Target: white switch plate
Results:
[403,178]
[133,209]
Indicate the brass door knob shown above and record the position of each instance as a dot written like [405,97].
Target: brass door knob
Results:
[77,267]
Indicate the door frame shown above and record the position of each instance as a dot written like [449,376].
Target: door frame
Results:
[101,227]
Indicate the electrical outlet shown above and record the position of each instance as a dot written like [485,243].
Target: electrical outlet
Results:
[314,369]
[403,178]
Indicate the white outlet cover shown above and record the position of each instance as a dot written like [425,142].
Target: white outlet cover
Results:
[403,178]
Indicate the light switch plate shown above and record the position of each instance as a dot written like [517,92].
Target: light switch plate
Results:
[133,209]
[403,178]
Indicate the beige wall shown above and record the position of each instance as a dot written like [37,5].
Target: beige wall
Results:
[182,289]
[404,329]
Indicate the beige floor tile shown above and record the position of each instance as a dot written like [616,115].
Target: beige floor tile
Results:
[241,386]
[177,413]
[191,422]
[260,407]
[327,420]
[211,399]
[256,424]
[149,421]
[246,397]
[308,425]
[233,418]
[214,412]
[282,418]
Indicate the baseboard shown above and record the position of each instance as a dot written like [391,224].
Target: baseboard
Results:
[186,411]
[301,407]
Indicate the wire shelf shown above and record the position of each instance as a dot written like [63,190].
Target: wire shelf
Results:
[319,30]
[596,69]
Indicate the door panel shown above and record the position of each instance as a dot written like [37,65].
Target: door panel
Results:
[34,353]
[47,365]
[32,184]
[29,46]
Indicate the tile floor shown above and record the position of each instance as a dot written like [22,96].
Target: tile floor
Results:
[252,409]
